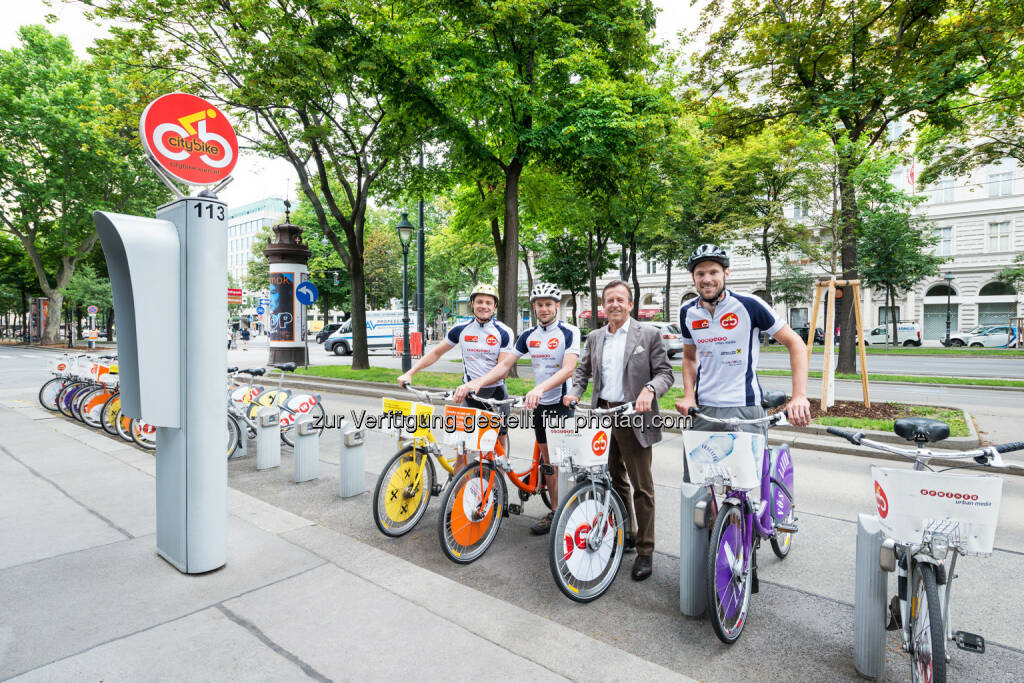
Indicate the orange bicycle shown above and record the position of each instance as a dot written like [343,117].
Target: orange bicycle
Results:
[474,503]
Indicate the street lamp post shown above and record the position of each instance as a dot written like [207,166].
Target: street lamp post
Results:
[405,230]
[948,277]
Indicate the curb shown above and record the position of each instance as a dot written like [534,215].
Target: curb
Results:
[810,438]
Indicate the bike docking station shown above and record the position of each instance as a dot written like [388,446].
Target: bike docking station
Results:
[694,537]
[869,608]
[268,437]
[306,465]
[169,280]
[352,463]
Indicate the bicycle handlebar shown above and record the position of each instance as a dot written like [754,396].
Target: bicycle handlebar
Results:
[852,437]
[426,395]
[767,419]
[624,408]
[1009,447]
[988,455]
[511,401]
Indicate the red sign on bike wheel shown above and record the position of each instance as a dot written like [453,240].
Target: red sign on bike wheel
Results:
[189,138]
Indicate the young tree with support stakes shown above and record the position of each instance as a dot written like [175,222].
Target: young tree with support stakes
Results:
[851,68]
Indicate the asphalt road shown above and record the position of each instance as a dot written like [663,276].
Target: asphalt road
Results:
[800,624]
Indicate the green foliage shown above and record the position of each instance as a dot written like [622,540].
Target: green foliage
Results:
[793,286]
[1014,275]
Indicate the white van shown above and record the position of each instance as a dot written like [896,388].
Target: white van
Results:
[909,334]
[382,327]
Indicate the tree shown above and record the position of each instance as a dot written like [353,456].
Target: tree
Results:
[559,263]
[851,68]
[896,248]
[1014,275]
[64,153]
[793,286]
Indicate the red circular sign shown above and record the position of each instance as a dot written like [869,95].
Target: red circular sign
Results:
[553,343]
[491,340]
[729,321]
[189,138]
[599,444]
[881,501]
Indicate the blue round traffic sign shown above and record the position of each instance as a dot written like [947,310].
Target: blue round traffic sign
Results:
[260,310]
[306,293]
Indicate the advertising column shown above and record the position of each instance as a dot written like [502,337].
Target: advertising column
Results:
[285,316]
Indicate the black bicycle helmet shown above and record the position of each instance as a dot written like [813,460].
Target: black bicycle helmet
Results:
[707,252]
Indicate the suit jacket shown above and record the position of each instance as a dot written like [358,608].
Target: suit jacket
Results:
[646,361]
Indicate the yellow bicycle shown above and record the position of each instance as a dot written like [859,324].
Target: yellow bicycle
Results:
[409,478]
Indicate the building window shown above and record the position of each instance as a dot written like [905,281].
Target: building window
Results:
[999,236]
[943,192]
[797,317]
[1000,184]
[801,209]
[944,247]
[884,316]
[652,266]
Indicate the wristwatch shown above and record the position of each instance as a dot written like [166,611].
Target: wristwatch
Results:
[651,387]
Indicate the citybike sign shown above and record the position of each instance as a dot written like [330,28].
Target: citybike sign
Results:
[189,138]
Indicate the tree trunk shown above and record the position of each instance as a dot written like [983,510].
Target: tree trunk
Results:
[360,354]
[110,324]
[508,284]
[666,305]
[848,256]
[78,321]
[51,332]
[895,318]
[575,319]
[24,316]
[623,263]
[529,284]
[635,275]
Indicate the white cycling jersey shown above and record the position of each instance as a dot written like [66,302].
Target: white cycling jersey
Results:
[481,345]
[728,347]
[547,347]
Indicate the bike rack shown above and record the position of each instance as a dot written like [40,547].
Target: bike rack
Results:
[352,463]
[869,607]
[268,438]
[693,549]
[307,450]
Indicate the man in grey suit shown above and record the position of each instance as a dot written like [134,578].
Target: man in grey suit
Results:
[627,361]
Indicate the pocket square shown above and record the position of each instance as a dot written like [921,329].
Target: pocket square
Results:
[638,349]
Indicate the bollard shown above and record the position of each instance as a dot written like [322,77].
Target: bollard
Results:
[869,607]
[693,548]
[352,463]
[268,438]
[307,450]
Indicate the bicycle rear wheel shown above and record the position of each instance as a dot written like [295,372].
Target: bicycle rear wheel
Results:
[234,437]
[108,417]
[124,426]
[318,414]
[143,434]
[49,391]
[471,511]
[729,574]
[403,491]
[91,407]
[927,634]
[584,570]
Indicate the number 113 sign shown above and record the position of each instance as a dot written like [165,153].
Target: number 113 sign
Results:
[189,138]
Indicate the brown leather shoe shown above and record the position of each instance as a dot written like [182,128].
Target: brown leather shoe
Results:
[642,567]
[542,525]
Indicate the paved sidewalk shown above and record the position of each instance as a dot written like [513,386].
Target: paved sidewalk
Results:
[85,595]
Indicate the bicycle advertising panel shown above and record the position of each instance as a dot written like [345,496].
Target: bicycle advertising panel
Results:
[734,456]
[424,413]
[189,138]
[912,504]
[282,306]
[586,448]
[478,429]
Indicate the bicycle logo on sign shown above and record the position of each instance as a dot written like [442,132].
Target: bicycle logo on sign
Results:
[182,139]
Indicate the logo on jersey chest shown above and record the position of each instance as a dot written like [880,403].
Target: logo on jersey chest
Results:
[553,343]
[699,325]
[729,321]
[471,338]
[491,340]
[535,344]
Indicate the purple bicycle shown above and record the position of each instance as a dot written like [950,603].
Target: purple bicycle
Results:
[732,464]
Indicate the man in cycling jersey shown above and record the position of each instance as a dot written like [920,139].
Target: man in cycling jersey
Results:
[721,343]
[554,347]
[484,341]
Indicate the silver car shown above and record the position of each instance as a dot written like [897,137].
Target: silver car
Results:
[671,337]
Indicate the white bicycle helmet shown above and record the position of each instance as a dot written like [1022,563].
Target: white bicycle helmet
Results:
[707,252]
[484,288]
[544,290]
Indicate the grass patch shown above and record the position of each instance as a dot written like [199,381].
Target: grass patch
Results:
[914,379]
[914,351]
[954,418]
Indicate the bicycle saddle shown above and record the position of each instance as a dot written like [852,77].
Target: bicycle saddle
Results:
[255,372]
[921,429]
[233,368]
[773,399]
[287,367]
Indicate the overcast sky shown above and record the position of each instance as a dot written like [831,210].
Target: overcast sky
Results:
[254,177]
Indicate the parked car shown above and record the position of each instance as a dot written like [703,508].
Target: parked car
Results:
[819,335]
[960,338]
[671,336]
[323,334]
[909,334]
[999,336]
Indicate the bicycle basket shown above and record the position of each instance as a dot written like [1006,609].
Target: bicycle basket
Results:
[424,413]
[477,429]
[734,456]
[912,503]
[586,448]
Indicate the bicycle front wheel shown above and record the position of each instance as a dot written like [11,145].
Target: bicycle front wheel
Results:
[403,491]
[927,641]
[234,437]
[48,393]
[471,510]
[729,574]
[584,564]
[143,434]
[108,417]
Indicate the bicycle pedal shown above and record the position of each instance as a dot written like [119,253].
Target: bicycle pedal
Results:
[787,527]
[547,470]
[971,642]
[436,489]
[895,622]
[513,509]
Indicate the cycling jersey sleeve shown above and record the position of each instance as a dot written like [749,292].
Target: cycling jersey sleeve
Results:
[762,315]
[573,342]
[454,333]
[505,334]
[684,328]
[521,348]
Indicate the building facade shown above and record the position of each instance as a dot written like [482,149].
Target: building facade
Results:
[244,224]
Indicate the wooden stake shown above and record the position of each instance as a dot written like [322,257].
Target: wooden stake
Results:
[830,326]
[860,344]
[814,321]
